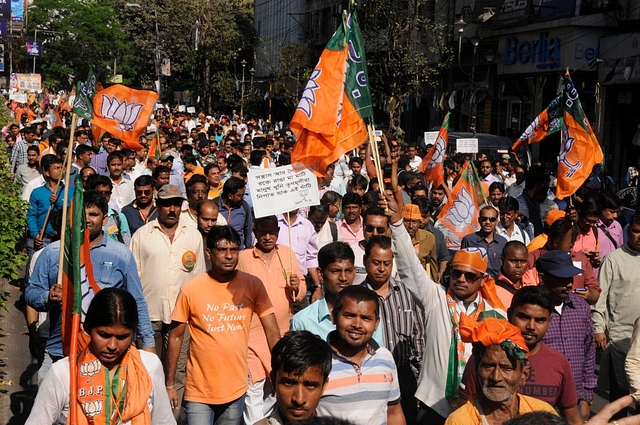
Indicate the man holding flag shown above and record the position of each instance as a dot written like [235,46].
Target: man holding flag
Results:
[113,266]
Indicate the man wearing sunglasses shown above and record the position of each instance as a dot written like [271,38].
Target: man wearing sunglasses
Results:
[471,292]
[488,239]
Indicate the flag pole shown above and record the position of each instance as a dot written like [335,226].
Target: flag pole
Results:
[376,157]
[288,275]
[73,385]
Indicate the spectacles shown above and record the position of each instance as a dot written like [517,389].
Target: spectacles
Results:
[590,222]
[378,230]
[468,276]
[491,219]
[143,192]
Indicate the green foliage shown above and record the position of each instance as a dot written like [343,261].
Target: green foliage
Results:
[407,51]
[78,34]
[13,219]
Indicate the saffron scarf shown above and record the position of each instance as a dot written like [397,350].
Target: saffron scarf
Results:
[106,401]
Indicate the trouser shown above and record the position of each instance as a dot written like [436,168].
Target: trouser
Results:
[161,338]
[258,402]
[615,392]
[220,414]
[408,386]
[47,362]
[428,416]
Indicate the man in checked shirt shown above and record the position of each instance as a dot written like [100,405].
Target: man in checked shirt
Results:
[571,329]
[400,320]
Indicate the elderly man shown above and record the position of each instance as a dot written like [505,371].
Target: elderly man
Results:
[502,370]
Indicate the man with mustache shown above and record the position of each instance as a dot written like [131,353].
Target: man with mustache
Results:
[168,253]
[551,379]
[502,370]
[571,330]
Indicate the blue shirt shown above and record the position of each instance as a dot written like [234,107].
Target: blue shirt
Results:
[39,205]
[237,218]
[317,320]
[493,248]
[113,267]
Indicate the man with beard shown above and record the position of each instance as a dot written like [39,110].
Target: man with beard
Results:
[488,239]
[113,267]
[551,379]
[168,254]
[277,267]
[514,264]
[143,208]
[359,365]
[502,370]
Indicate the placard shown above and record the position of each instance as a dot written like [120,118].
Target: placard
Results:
[430,137]
[182,108]
[26,82]
[467,145]
[191,109]
[280,189]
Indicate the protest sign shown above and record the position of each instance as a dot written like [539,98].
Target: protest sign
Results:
[467,145]
[280,189]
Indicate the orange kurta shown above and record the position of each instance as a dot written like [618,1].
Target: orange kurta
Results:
[272,275]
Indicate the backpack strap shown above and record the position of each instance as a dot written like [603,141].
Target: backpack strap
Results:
[334,230]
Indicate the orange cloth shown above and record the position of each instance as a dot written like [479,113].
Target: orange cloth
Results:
[553,215]
[219,319]
[91,400]
[468,414]
[411,212]
[432,164]
[281,296]
[491,331]
[199,170]
[475,258]
[538,242]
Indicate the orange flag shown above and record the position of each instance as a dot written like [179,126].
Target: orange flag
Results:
[579,149]
[58,122]
[460,213]
[431,165]
[329,119]
[124,112]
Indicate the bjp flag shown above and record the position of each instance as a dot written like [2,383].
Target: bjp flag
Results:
[548,122]
[460,213]
[431,165]
[330,118]
[124,112]
[579,147]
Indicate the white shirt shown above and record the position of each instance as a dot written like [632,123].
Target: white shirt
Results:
[52,401]
[516,234]
[123,193]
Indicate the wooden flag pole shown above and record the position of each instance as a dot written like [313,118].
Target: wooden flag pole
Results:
[376,157]
[288,275]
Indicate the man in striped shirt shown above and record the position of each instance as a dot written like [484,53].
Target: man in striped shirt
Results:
[363,383]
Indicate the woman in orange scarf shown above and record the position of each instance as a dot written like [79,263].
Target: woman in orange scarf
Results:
[117,384]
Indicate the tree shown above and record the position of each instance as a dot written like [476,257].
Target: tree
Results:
[78,34]
[407,51]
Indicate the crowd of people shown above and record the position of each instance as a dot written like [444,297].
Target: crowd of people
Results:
[363,309]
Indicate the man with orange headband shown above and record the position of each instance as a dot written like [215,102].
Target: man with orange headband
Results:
[472,292]
[502,369]
[423,241]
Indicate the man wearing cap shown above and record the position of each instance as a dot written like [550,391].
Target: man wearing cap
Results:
[19,152]
[502,370]
[541,240]
[168,253]
[423,241]
[617,309]
[471,292]
[571,329]
[488,239]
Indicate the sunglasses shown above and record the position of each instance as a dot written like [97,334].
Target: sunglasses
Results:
[491,219]
[468,276]
[143,192]
[378,230]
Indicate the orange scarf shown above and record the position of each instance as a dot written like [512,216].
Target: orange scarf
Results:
[106,401]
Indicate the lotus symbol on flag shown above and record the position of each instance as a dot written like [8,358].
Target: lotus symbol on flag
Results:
[92,408]
[90,368]
[530,132]
[438,154]
[126,114]
[309,94]
[463,210]
[565,148]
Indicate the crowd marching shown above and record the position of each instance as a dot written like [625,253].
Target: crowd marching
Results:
[365,308]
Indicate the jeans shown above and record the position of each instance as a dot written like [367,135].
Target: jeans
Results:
[219,414]
[48,361]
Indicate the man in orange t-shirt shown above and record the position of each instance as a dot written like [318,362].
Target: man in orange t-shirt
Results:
[277,267]
[218,307]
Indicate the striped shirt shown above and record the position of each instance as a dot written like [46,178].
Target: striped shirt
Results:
[402,324]
[361,393]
